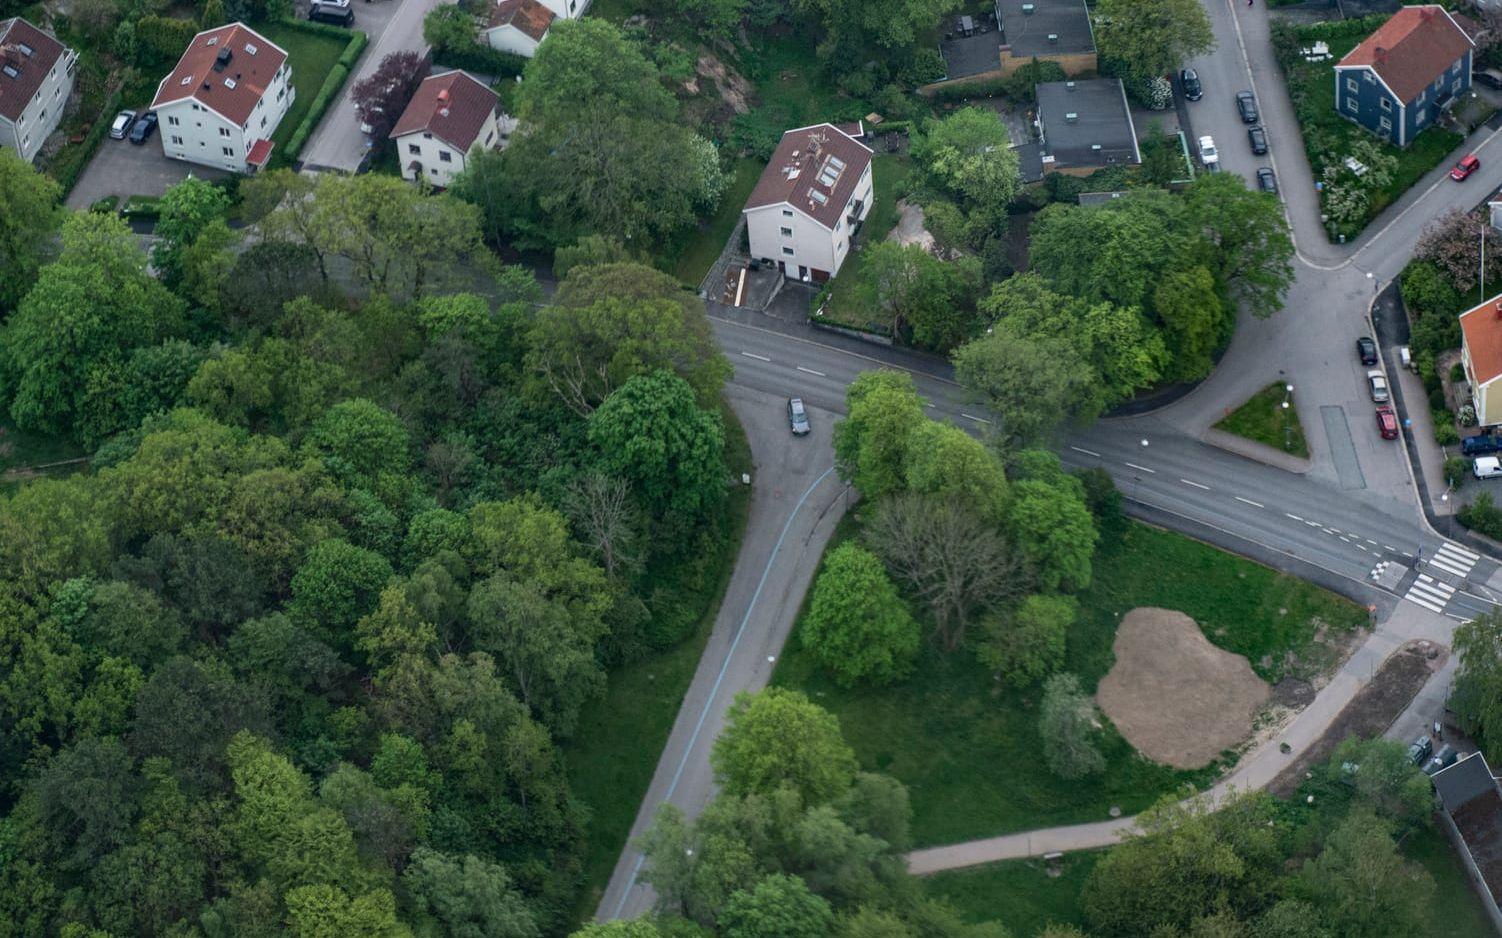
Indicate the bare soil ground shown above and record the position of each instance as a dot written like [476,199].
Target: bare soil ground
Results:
[1177,698]
[1371,711]
[910,229]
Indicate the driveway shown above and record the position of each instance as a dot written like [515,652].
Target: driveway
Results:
[393,26]
[124,169]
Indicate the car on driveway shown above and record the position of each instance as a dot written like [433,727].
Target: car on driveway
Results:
[1482,444]
[797,416]
[1190,80]
[1446,757]
[1377,382]
[333,12]
[121,125]
[1366,350]
[1486,467]
[1489,77]
[144,128]
[1422,749]
[1387,422]
[1266,181]
[1208,154]
[1258,137]
[1246,103]
[1468,164]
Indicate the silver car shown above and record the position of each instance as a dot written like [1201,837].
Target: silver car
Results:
[797,416]
[1377,381]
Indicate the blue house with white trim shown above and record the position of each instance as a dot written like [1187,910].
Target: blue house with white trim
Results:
[1399,79]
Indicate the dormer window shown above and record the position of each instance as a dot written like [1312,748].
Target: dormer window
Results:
[213,40]
[187,80]
[250,48]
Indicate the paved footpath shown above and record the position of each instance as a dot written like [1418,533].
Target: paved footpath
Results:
[1255,770]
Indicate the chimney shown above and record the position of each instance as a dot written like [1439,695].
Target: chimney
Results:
[1497,309]
[221,61]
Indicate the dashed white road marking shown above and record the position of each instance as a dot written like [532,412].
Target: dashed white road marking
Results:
[1195,484]
[1248,501]
[810,371]
[1294,517]
[1140,468]
[975,418]
[1085,451]
[760,358]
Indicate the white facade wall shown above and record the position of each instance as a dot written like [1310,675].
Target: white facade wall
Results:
[510,39]
[441,162]
[190,130]
[784,234]
[45,109]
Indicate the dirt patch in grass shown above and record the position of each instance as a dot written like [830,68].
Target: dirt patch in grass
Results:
[1371,711]
[1176,697]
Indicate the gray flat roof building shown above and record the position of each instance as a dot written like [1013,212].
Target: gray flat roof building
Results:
[1045,28]
[1473,817]
[1086,125]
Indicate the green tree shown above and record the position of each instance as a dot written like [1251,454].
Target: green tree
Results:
[632,928]
[1113,252]
[1053,529]
[1477,692]
[28,217]
[652,432]
[857,625]
[918,293]
[1027,644]
[1384,778]
[85,312]
[360,440]
[449,28]
[968,156]
[1250,246]
[780,738]
[1069,725]
[323,910]
[589,63]
[779,906]
[1360,881]
[944,460]
[1196,323]
[469,896]
[1151,38]
[871,444]
[187,208]
[337,584]
[1030,384]
[888,24]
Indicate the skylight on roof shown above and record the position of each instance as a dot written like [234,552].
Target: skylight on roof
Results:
[818,196]
[11,71]
[213,40]
[187,80]
[25,49]
[250,48]
[229,83]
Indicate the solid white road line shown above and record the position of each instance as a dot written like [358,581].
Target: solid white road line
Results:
[1085,451]
[975,418]
[810,371]
[1248,501]
[760,358]
[1195,484]
[1141,468]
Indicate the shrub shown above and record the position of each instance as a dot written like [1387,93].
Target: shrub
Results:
[1021,85]
[351,53]
[857,625]
[482,59]
[1445,433]
[105,205]
[1457,373]
[1456,468]
[1482,516]
[160,40]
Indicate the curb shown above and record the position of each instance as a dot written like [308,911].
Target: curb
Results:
[1257,452]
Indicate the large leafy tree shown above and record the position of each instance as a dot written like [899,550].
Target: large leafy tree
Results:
[871,443]
[1027,643]
[1248,244]
[28,217]
[1360,881]
[967,157]
[856,624]
[468,895]
[919,294]
[1195,321]
[187,210]
[779,906]
[1111,252]
[1031,384]
[946,461]
[779,738]
[1477,693]
[380,97]
[1152,37]
[1069,725]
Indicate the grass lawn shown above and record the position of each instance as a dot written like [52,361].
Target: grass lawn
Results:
[968,747]
[1328,136]
[1018,893]
[311,57]
[620,737]
[890,172]
[1463,916]
[1264,420]
[703,248]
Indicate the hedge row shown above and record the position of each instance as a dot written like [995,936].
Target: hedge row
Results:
[483,59]
[351,53]
[317,29]
[321,102]
[85,151]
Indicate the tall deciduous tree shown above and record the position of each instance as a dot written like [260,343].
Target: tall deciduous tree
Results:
[968,157]
[919,294]
[779,906]
[1361,881]
[856,624]
[780,738]
[1477,693]
[945,461]
[187,209]
[1031,384]
[468,895]
[1069,725]
[1195,321]
[871,443]
[28,217]
[1152,37]
[381,96]
[1027,644]
[1250,250]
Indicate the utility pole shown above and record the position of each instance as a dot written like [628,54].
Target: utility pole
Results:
[1481,287]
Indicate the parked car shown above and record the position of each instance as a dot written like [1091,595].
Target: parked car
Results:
[1468,164]
[1387,422]
[1482,444]
[1446,757]
[1246,103]
[1266,181]
[1258,136]
[1486,467]
[1190,80]
[337,12]
[121,125]
[1377,382]
[1366,350]
[144,128]
[1208,154]
[797,416]
[1421,749]
[1487,76]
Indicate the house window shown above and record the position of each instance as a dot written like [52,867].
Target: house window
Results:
[1455,69]
[1420,117]
[432,172]
[1353,105]
[1351,85]
[427,136]
[489,136]
[1385,124]
[177,141]
[1368,76]
[1455,88]
[263,121]
[787,213]
[1386,104]
[788,251]
[838,225]
[1423,95]
[224,131]
[228,151]
[171,122]
[445,157]
[414,149]
[787,232]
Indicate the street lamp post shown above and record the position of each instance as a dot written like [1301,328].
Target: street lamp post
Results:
[1287,427]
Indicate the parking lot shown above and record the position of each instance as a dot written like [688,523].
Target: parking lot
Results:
[125,169]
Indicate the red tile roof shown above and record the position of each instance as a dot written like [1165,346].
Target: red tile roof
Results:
[453,107]
[232,91]
[529,16]
[31,70]
[1482,328]
[260,152]
[814,169]
[1412,49]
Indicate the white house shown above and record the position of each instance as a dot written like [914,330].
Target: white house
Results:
[223,102]
[36,77]
[450,116]
[1481,355]
[518,26]
[810,201]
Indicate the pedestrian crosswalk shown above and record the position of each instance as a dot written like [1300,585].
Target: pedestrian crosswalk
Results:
[1430,593]
[1456,561]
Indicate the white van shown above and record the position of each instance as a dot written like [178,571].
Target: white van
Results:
[1486,467]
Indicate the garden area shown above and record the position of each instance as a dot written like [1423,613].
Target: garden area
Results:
[1269,417]
[1351,199]
[320,66]
[967,745]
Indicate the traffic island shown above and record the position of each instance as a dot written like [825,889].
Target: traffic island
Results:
[1265,428]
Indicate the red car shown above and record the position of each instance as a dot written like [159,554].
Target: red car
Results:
[1467,165]
[1387,423]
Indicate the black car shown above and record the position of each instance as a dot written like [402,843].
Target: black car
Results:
[144,127]
[1487,76]
[1246,103]
[1482,444]
[1191,84]
[1258,136]
[1266,181]
[1367,350]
